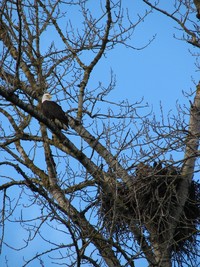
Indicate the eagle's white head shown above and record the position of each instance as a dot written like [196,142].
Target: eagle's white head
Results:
[46,97]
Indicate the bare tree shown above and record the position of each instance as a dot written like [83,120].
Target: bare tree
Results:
[107,185]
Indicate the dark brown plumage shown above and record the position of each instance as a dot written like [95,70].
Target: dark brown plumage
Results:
[52,110]
[197,4]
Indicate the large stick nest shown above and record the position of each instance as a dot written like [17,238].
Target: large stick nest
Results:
[150,203]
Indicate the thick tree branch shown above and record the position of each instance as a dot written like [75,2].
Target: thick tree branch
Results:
[191,153]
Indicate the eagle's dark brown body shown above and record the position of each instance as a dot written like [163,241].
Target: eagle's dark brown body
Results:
[52,110]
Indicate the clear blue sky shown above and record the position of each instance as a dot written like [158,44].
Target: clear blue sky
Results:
[158,73]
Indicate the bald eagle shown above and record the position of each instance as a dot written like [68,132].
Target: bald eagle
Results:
[52,110]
